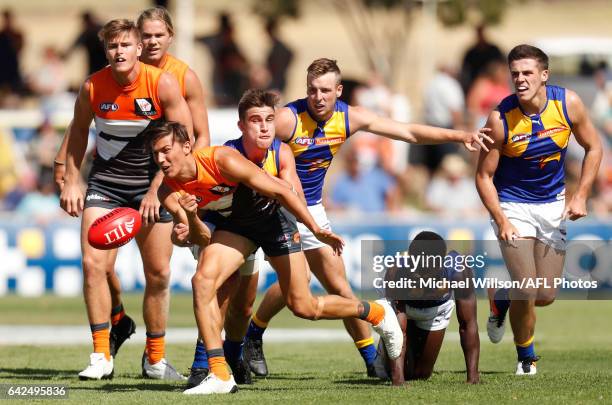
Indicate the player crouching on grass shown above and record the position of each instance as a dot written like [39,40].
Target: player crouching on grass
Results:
[210,177]
[424,315]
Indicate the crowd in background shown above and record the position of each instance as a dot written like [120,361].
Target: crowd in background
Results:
[371,174]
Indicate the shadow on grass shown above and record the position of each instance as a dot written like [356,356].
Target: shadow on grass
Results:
[37,373]
[366,382]
[490,372]
[111,387]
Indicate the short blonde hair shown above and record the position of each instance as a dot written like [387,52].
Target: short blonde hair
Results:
[156,13]
[322,66]
[116,27]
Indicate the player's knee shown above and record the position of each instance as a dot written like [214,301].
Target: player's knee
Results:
[302,308]
[545,298]
[93,268]
[157,276]
[524,294]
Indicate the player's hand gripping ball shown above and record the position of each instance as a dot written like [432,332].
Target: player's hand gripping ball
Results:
[114,229]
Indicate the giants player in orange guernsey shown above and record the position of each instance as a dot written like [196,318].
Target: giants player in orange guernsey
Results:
[157,31]
[208,179]
[123,99]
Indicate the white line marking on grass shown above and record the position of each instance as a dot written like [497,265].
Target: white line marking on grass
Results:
[65,335]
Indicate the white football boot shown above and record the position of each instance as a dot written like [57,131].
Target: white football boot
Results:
[390,331]
[98,369]
[213,385]
[162,370]
[527,367]
[496,326]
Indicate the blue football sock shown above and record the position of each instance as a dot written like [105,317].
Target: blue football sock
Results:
[233,350]
[200,358]
[255,332]
[502,300]
[368,353]
[526,351]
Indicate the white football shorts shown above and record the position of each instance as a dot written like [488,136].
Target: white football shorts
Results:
[541,221]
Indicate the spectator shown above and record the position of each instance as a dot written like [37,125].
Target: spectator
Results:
[44,148]
[50,82]
[363,189]
[600,109]
[231,69]
[11,45]
[88,38]
[259,77]
[487,91]
[452,193]
[477,58]
[8,167]
[372,149]
[444,107]
[41,204]
[279,58]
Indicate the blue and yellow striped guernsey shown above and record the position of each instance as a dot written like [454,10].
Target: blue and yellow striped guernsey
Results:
[530,168]
[270,164]
[314,145]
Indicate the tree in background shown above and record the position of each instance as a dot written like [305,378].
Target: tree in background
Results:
[381,28]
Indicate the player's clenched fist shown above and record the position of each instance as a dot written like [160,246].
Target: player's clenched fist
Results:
[189,203]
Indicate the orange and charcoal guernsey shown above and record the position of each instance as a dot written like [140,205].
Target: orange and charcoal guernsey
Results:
[212,191]
[121,115]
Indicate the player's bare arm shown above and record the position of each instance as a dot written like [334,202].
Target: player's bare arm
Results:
[175,109]
[194,96]
[71,198]
[487,164]
[188,227]
[287,170]
[397,366]
[587,137]
[284,122]
[234,167]
[468,327]
[59,163]
[363,119]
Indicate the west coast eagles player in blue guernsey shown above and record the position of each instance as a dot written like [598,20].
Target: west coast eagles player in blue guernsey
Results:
[315,128]
[521,183]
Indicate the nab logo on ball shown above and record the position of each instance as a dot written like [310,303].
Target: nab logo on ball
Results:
[114,229]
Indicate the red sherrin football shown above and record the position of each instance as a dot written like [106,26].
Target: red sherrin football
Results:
[114,229]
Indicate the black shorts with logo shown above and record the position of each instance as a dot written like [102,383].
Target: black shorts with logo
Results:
[276,232]
[106,195]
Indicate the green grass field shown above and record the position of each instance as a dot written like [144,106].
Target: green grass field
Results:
[574,339]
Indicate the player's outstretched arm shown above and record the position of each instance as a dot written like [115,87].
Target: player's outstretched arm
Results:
[194,96]
[468,327]
[587,137]
[235,167]
[71,198]
[363,119]
[188,227]
[397,366]
[487,164]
